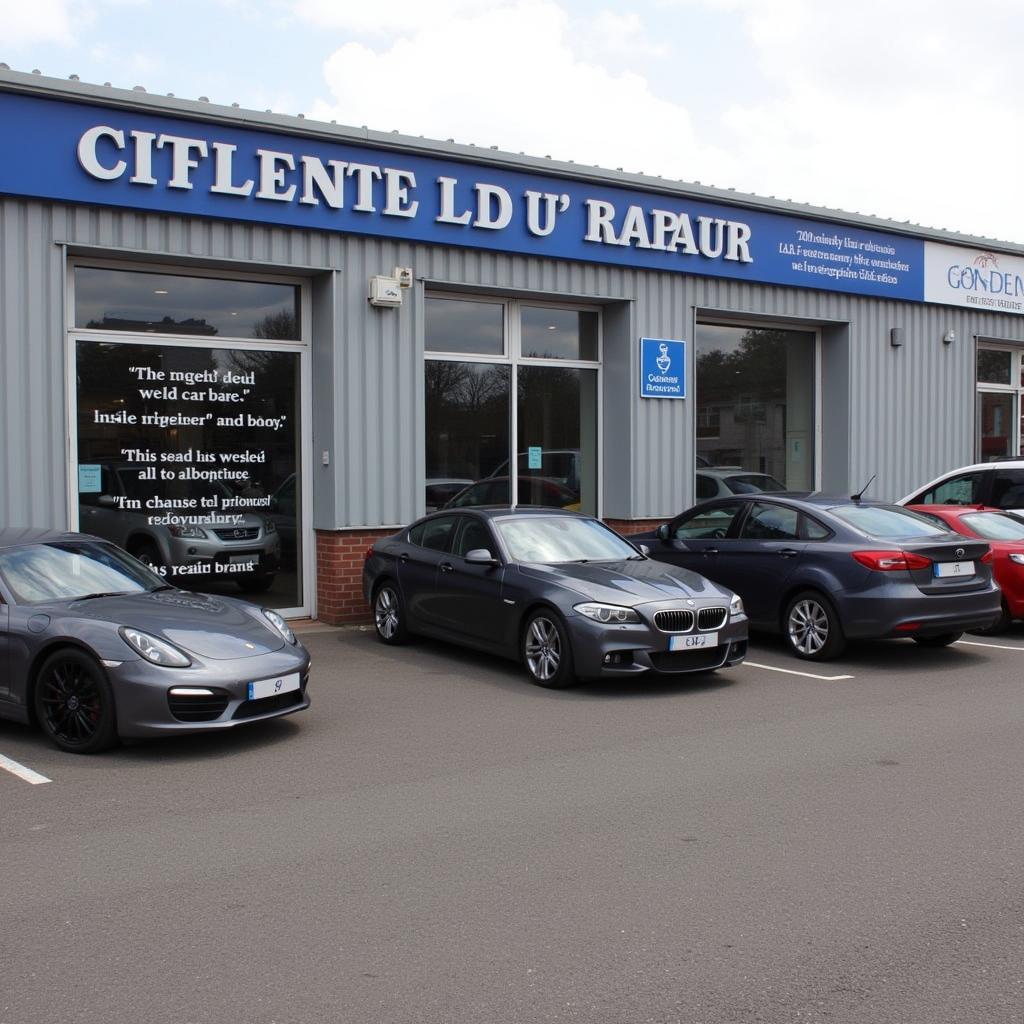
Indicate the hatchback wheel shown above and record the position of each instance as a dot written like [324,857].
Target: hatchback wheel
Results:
[74,703]
[389,615]
[942,640]
[812,629]
[546,652]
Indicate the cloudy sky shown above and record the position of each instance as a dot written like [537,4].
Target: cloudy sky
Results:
[907,109]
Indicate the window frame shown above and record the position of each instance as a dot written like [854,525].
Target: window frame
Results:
[513,358]
[301,347]
[1015,389]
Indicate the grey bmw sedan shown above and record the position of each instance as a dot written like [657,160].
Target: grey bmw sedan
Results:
[558,591]
[94,646]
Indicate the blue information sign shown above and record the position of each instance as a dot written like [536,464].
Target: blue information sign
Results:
[534,455]
[89,478]
[662,368]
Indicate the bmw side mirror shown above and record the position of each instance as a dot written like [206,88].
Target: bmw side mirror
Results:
[644,550]
[663,532]
[481,556]
[107,501]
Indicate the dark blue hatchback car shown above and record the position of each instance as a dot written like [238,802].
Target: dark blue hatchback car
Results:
[822,570]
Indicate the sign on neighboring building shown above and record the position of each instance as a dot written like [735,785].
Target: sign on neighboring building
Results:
[975,278]
[662,368]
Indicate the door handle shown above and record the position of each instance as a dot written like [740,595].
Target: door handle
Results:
[447,567]
[711,551]
[788,552]
[403,557]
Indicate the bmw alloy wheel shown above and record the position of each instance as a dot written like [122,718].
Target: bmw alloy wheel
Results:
[543,649]
[385,613]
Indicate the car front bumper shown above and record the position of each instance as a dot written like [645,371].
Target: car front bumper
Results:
[603,651]
[142,693]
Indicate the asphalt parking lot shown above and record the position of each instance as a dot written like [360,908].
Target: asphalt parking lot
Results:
[436,840]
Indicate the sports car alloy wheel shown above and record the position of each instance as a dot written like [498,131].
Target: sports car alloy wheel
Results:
[74,704]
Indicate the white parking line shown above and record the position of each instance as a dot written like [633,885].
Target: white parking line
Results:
[998,647]
[33,778]
[792,671]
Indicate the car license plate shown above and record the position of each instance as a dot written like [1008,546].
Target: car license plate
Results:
[945,569]
[272,687]
[686,643]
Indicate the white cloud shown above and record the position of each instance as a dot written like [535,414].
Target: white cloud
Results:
[509,75]
[44,21]
[396,18]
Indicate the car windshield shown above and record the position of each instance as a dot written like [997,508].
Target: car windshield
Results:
[888,521]
[66,570]
[993,526]
[750,483]
[553,539]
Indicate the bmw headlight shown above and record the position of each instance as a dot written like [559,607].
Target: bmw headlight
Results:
[279,624]
[153,649]
[736,605]
[612,613]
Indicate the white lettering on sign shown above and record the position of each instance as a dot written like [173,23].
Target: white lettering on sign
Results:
[668,232]
[109,154]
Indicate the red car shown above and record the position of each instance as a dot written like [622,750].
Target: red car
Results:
[1005,534]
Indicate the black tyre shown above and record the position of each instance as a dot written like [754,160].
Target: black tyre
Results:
[942,640]
[389,614]
[74,704]
[811,627]
[1000,625]
[546,651]
[256,585]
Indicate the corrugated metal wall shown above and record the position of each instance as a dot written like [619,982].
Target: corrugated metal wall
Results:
[906,414]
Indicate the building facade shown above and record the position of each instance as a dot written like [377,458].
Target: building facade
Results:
[245,345]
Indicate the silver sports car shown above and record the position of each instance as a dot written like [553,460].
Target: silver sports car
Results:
[94,646]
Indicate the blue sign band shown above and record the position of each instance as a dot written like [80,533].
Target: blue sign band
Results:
[87,153]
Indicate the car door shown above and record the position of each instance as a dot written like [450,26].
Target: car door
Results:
[762,559]
[429,543]
[469,600]
[696,538]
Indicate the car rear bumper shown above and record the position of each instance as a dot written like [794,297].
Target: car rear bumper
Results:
[869,616]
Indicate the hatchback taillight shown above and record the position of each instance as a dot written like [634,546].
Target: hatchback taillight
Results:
[891,561]
[370,552]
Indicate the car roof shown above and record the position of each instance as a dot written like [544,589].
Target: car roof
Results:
[497,511]
[724,471]
[19,536]
[956,509]
[816,499]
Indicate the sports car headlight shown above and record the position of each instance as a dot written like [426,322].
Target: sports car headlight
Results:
[1017,556]
[279,624]
[153,649]
[607,612]
[736,605]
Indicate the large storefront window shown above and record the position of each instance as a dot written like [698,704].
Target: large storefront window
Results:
[548,357]
[189,456]
[755,410]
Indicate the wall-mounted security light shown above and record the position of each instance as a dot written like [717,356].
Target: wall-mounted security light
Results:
[403,275]
[949,337]
[896,336]
[385,291]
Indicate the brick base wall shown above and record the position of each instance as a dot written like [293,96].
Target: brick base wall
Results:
[339,568]
[339,574]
